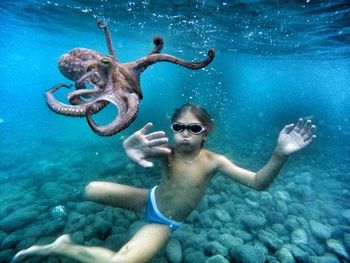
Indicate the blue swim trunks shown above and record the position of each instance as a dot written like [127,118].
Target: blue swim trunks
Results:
[153,215]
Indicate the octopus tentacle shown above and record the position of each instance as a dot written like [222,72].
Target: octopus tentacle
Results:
[127,111]
[79,83]
[143,63]
[159,43]
[104,25]
[71,110]
[75,97]
[92,76]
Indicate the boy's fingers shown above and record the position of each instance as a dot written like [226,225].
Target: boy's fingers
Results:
[156,142]
[310,132]
[306,128]
[155,135]
[310,140]
[159,151]
[287,128]
[145,164]
[145,128]
[299,125]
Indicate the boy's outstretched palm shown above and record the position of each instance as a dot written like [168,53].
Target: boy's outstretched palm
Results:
[140,146]
[294,138]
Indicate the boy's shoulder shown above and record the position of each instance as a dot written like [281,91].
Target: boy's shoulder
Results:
[213,155]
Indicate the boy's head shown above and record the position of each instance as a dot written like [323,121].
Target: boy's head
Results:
[198,111]
[190,114]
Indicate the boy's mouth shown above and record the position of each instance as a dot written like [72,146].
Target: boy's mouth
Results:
[185,141]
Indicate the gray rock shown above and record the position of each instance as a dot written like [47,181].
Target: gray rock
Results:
[222,215]
[9,242]
[296,209]
[303,192]
[194,257]
[89,207]
[18,219]
[319,230]
[214,199]
[318,248]
[115,242]
[283,195]
[6,255]
[251,203]
[213,234]
[336,247]
[134,227]
[248,254]
[339,230]
[196,241]
[205,219]
[346,215]
[274,217]
[270,240]
[266,201]
[253,220]
[304,178]
[52,190]
[78,237]
[347,240]
[76,222]
[271,259]
[194,216]
[244,235]
[217,259]
[214,248]
[291,223]
[25,243]
[325,259]
[280,230]
[284,255]
[229,241]
[282,207]
[299,236]
[307,249]
[298,254]
[173,251]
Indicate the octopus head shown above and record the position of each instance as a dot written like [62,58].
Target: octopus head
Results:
[74,64]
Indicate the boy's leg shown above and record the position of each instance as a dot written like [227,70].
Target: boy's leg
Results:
[144,245]
[117,195]
[141,248]
[65,247]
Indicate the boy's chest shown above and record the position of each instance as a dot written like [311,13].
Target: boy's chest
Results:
[190,174]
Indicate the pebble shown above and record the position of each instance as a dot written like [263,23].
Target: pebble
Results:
[335,246]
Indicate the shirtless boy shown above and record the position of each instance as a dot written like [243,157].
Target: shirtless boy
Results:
[187,168]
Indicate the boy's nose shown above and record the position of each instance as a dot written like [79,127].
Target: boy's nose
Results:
[185,132]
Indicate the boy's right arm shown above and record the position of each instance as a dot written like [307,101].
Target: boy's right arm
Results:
[141,146]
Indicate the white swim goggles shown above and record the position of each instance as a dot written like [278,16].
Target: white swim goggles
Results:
[194,128]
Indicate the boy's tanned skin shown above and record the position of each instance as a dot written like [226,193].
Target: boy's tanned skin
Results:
[187,169]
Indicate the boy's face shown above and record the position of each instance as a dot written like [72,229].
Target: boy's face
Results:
[186,140]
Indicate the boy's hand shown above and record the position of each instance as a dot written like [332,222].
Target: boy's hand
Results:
[294,138]
[140,146]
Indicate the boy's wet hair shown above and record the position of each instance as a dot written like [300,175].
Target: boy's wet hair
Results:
[198,111]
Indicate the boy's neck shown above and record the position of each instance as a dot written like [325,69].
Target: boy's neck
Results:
[189,156]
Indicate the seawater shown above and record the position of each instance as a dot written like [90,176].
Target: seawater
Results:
[275,61]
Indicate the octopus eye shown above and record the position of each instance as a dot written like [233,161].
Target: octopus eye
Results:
[105,61]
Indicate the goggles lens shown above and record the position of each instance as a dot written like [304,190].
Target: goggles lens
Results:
[193,128]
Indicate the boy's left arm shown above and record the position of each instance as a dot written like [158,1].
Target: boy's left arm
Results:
[291,139]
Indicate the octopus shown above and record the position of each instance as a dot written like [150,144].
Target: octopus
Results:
[100,79]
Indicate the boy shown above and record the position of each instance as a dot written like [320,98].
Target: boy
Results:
[187,168]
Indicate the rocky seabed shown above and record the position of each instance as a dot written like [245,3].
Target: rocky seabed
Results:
[294,221]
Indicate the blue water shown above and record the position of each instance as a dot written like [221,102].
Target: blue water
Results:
[275,61]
